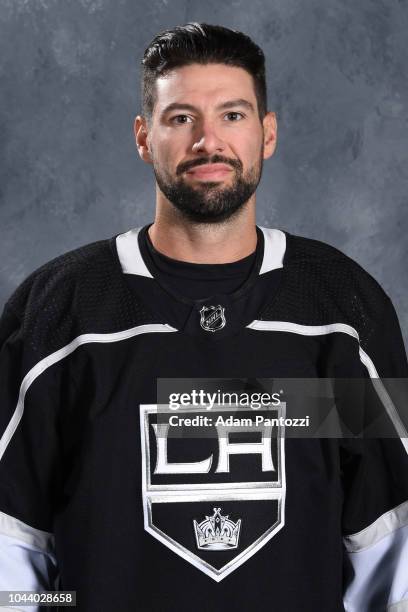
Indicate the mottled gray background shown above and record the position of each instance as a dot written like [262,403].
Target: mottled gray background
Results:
[69,90]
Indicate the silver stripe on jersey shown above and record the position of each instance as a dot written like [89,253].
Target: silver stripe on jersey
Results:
[387,523]
[19,542]
[36,538]
[319,330]
[53,358]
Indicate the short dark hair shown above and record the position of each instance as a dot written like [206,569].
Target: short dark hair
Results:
[201,43]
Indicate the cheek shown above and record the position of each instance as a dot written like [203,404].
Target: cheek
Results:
[167,152]
[250,149]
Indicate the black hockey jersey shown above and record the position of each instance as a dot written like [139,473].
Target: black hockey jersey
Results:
[99,497]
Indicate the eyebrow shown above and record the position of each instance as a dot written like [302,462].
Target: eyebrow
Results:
[228,104]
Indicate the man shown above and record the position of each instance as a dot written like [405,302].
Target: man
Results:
[97,492]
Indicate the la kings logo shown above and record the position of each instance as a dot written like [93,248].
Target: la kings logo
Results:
[213,493]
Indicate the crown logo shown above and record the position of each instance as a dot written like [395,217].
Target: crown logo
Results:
[217,532]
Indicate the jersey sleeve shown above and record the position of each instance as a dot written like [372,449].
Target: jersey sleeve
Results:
[375,484]
[28,463]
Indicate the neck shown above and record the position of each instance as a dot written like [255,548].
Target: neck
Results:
[225,242]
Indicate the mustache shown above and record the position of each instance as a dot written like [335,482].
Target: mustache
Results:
[215,159]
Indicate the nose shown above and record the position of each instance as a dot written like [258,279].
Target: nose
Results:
[208,141]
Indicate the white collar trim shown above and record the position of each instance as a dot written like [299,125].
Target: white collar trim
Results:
[131,259]
[274,249]
[129,253]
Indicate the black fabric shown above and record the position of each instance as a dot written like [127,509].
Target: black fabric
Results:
[241,305]
[74,465]
[82,291]
[199,281]
[321,285]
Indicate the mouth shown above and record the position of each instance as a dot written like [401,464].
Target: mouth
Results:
[210,172]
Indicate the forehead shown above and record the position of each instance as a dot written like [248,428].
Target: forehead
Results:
[204,84]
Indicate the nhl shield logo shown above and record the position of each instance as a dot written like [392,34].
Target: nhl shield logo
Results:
[212,498]
[212,318]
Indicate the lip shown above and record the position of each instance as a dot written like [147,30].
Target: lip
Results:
[210,171]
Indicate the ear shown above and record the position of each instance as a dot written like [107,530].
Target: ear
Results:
[141,132]
[270,129]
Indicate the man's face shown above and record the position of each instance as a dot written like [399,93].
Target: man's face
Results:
[206,141]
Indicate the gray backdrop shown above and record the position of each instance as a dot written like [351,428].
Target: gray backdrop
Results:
[69,90]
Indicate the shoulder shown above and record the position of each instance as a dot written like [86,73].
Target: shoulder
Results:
[323,285]
[57,279]
[81,291]
[329,265]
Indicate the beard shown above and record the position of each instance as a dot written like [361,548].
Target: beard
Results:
[209,202]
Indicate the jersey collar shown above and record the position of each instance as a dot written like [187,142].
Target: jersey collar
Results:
[134,262]
[183,313]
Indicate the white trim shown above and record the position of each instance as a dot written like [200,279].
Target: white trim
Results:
[132,262]
[385,398]
[50,360]
[318,330]
[378,574]
[304,330]
[274,249]
[36,538]
[130,257]
[26,568]
[400,606]
[387,523]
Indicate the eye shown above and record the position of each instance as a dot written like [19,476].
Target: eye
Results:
[234,116]
[180,119]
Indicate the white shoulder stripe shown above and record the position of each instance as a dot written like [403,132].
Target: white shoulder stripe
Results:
[304,330]
[50,360]
[318,330]
[387,523]
[385,398]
